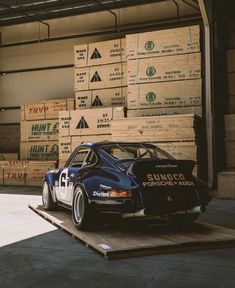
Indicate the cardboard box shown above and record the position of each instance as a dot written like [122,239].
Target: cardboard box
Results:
[99,53]
[167,68]
[40,130]
[163,42]
[165,94]
[100,77]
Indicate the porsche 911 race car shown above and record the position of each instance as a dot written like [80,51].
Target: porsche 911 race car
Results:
[125,179]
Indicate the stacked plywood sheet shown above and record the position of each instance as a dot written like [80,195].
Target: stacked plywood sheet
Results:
[100,77]
[164,71]
[226,179]
[24,173]
[88,125]
[40,129]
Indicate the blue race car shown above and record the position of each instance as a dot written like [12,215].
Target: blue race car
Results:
[125,179]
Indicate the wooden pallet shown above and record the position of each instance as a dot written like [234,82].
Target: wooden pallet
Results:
[142,240]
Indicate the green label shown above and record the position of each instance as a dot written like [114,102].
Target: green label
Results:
[149,45]
[150,71]
[151,97]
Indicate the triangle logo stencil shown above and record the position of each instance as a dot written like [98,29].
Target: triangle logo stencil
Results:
[96,77]
[96,54]
[97,102]
[82,124]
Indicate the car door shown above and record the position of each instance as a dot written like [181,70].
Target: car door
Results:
[64,191]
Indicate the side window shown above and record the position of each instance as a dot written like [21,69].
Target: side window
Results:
[91,159]
[79,158]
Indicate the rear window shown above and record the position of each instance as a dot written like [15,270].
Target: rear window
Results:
[131,152]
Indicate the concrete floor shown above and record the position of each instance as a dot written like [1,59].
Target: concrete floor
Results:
[35,254]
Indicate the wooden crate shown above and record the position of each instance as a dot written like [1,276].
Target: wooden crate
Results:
[88,121]
[65,149]
[231,60]
[112,97]
[165,94]
[39,130]
[163,42]
[231,83]
[197,110]
[77,140]
[167,68]
[181,150]
[45,109]
[229,127]
[39,150]
[231,104]
[226,184]
[1,173]
[8,156]
[35,172]
[100,77]
[158,129]
[99,53]
[230,154]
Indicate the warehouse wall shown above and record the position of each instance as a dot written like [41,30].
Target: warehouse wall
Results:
[17,88]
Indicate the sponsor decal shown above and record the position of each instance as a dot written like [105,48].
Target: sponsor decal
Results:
[149,45]
[100,194]
[150,71]
[151,97]
[96,54]
[96,77]
[97,102]
[82,124]
[166,179]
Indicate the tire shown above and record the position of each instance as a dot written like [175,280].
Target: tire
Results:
[183,220]
[47,201]
[81,213]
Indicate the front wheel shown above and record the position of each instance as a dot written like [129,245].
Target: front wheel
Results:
[80,209]
[47,201]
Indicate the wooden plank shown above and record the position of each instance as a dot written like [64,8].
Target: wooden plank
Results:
[197,110]
[126,241]
[164,94]
[40,130]
[167,68]
[99,53]
[231,83]
[231,104]
[100,77]
[181,150]
[159,129]
[163,42]
[41,110]
[39,150]
[112,97]
[226,184]
[24,173]
[8,156]
[229,127]
[230,154]
[77,140]
[231,60]
[65,148]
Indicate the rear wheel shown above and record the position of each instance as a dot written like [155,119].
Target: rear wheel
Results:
[47,201]
[81,214]
[183,220]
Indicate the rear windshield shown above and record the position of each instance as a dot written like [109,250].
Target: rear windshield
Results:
[131,152]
